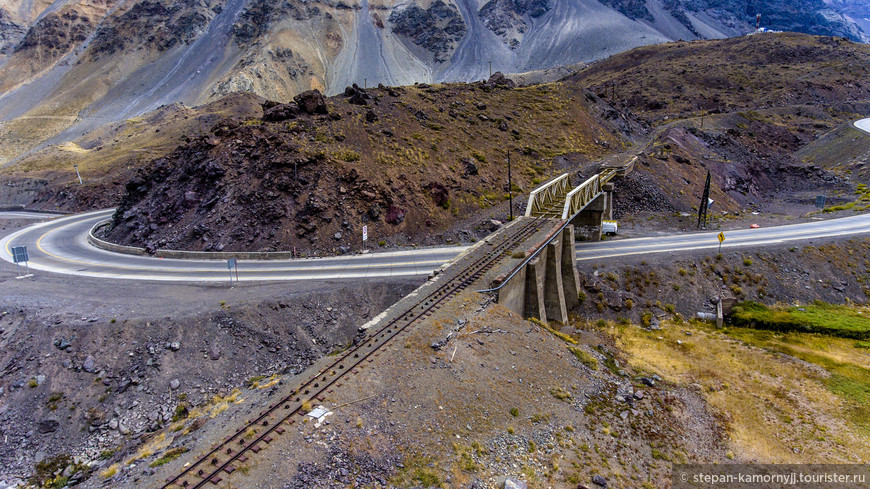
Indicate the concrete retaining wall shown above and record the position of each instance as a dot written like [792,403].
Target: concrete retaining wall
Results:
[180,254]
[23,208]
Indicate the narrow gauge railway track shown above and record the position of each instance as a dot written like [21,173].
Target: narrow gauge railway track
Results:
[257,434]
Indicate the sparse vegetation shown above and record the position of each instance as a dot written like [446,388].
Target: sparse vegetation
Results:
[181,412]
[54,400]
[560,393]
[584,357]
[169,456]
[558,334]
[110,471]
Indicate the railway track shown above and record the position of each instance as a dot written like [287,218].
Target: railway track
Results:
[235,450]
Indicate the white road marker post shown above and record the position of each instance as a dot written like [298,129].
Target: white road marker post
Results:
[365,236]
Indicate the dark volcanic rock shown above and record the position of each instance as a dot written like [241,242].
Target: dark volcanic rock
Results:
[311,102]
[502,16]
[47,426]
[281,112]
[259,15]
[56,33]
[357,95]
[395,215]
[341,469]
[470,169]
[151,24]
[439,193]
[438,29]
[499,80]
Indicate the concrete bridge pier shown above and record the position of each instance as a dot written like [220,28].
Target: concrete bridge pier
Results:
[548,285]
[587,224]
[607,188]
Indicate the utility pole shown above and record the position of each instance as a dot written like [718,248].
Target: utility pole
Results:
[490,69]
[705,199]
[510,187]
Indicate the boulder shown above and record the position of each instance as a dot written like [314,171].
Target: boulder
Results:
[47,426]
[439,194]
[374,212]
[511,483]
[311,102]
[358,99]
[469,167]
[90,364]
[499,80]
[395,215]
[281,112]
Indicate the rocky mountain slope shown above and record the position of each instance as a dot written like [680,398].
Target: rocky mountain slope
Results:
[413,163]
[68,67]
[406,162]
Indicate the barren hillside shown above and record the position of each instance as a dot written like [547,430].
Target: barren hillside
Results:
[67,67]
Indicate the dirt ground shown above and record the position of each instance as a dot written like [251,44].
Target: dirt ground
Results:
[502,398]
[88,365]
[148,369]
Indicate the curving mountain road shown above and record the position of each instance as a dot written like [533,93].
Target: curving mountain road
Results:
[61,246]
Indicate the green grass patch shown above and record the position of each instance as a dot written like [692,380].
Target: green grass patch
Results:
[585,358]
[167,457]
[841,207]
[818,317]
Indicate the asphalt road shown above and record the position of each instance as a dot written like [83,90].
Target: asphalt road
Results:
[742,238]
[38,216]
[61,246]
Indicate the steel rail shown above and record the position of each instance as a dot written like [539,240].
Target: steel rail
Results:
[362,352]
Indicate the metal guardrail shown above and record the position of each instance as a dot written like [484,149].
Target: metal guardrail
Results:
[546,194]
[581,196]
[575,201]
[529,258]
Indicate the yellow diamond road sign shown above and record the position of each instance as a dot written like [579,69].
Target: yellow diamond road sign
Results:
[721,237]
